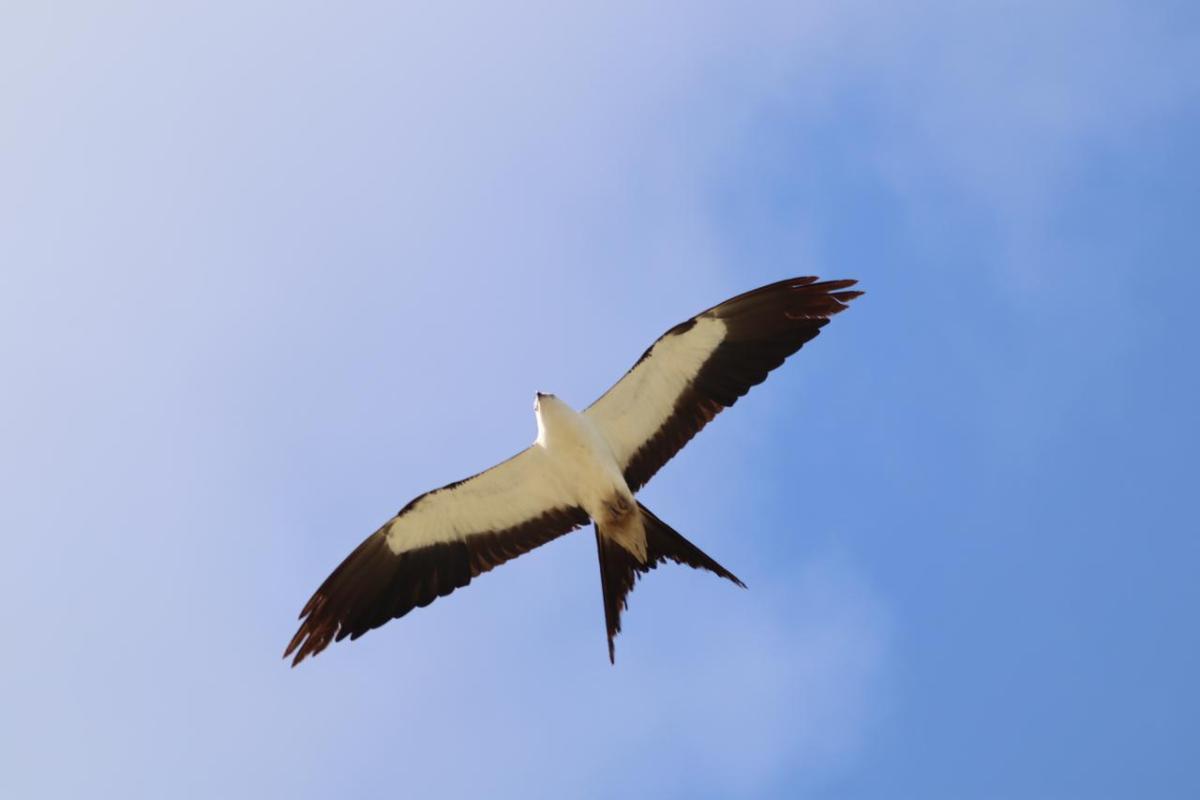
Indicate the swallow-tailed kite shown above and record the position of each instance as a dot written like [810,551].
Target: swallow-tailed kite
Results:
[583,466]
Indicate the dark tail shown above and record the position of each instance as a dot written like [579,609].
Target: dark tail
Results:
[620,569]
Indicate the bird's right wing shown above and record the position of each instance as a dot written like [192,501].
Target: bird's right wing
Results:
[703,365]
[436,544]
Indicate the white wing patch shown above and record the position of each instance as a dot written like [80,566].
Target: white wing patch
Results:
[510,493]
[640,403]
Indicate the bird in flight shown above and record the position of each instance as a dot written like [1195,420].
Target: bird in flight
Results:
[583,466]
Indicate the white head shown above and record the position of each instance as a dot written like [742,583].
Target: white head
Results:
[545,406]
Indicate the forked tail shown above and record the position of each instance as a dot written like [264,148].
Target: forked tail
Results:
[620,569]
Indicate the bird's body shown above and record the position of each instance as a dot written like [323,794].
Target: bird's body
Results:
[583,466]
[583,460]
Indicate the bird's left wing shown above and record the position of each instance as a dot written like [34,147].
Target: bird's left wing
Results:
[436,544]
[704,364]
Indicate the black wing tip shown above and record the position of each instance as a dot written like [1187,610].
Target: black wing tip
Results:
[837,290]
[805,297]
[840,292]
[314,634]
[374,585]
[298,658]
[802,282]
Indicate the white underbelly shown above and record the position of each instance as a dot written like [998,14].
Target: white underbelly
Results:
[588,471]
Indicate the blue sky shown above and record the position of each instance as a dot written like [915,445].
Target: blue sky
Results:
[267,271]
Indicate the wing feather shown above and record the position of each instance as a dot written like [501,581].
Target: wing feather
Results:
[436,544]
[703,365]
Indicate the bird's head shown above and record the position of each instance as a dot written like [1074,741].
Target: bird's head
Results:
[544,405]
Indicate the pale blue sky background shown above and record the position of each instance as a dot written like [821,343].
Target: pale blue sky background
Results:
[268,270]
